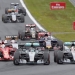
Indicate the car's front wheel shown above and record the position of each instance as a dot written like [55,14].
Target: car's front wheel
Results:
[16,59]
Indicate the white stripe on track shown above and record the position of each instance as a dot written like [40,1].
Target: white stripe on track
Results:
[72,2]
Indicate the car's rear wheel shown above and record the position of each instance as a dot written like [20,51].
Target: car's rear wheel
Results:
[46,58]
[22,10]
[4,18]
[22,19]
[22,36]
[6,10]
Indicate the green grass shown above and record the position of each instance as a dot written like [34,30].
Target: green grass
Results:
[53,20]
[66,37]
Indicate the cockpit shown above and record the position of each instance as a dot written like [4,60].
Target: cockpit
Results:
[32,50]
[32,29]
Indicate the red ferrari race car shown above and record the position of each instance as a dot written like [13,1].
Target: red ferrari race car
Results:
[30,32]
[7,49]
[43,34]
[7,52]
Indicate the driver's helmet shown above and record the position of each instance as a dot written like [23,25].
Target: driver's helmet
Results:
[2,42]
[72,44]
[46,35]
[12,41]
[12,10]
[32,28]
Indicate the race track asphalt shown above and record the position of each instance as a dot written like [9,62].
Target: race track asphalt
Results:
[7,67]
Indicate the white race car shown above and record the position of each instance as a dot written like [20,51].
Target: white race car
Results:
[12,17]
[66,55]
[30,53]
[17,8]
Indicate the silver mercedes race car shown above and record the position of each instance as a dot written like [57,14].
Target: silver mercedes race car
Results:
[67,55]
[12,17]
[31,53]
[17,8]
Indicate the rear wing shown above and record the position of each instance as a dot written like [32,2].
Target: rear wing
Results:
[30,25]
[14,4]
[21,45]
[8,37]
[69,43]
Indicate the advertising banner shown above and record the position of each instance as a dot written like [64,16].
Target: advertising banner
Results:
[57,5]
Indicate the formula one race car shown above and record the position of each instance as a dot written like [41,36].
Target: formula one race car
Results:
[65,55]
[12,17]
[12,40]
[16,8]
[30,32]
[31,53]
[6,51]
[48,42]
[42,33]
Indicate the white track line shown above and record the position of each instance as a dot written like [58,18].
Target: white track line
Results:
[72,2]
[32,18]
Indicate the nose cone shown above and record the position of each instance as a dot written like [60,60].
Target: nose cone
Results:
[6,54]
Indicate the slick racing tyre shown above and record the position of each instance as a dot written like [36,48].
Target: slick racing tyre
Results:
[55,55]
[22,19]
[4,18]
[46,58]
[22,10]
[6,10]
[59,57]
[16,59]
[22,36]
[19,34]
